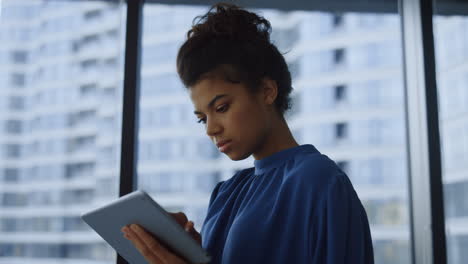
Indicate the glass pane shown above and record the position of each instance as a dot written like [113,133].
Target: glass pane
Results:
[451,50]
[60,111]
[347,101]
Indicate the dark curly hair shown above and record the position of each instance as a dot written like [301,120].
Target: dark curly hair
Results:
[234,44]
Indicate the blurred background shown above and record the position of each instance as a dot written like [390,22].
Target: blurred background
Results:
[61,93]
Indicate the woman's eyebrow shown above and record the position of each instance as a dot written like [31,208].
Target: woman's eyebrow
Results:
[212,102]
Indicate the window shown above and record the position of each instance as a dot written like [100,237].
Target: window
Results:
[341,131]
[93,14]
[18,79]
[19,57]
[338,56]
[337,20]
[88,64]
[451,51]
[376,127]
[16,103]
[50,59]
[73,224]
[83,169]
[339,93]
[316,51]
[79,196]
[14,199]
[13,127]
[88,90]
[344,166]
[12,151]
[10,174]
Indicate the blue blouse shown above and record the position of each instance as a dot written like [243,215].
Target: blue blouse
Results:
[295,206]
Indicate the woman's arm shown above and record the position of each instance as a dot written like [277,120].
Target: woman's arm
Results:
[343,229]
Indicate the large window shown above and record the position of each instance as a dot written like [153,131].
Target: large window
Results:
[61,84]
[348,101]
[451,43]
[60,113]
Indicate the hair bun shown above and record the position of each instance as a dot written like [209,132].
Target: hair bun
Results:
[227,20]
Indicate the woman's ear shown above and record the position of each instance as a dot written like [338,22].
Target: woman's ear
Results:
[269,90]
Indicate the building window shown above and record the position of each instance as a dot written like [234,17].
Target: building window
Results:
[341,131]
[10,175]
[88,89]
[343,165]
[338,56]
[92,14]
[340,93]
[337,20]
[89,64]
[16,103]
[19,56]
[13,126]
[18,79]
[12,150]
[84,169]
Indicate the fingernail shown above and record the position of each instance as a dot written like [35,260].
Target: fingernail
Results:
[133,226]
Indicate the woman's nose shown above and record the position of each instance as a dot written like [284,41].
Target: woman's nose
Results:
[213,127]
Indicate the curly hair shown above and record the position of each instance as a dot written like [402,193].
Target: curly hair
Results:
[234,44]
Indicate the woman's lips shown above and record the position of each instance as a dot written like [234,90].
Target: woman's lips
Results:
[224,146]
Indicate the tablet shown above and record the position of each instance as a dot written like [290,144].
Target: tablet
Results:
[138,208]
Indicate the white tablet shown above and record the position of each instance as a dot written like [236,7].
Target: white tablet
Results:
[138,208]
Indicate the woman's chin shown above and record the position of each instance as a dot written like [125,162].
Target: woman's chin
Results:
[236,156]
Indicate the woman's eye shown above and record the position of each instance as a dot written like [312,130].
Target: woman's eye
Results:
[201,120]
[222,108]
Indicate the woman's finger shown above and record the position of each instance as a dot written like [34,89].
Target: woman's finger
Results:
[142,248]
[180,218]
[149,242]
[189,227]
[153,246]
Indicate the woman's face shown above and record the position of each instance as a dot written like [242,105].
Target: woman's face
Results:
[233,116]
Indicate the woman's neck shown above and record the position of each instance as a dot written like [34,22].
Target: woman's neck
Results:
[278,139]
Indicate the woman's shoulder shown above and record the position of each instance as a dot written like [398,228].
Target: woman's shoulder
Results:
[230,183]
[315,170]
[313,162]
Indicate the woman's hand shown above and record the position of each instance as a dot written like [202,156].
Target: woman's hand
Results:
[153,251]
[181,218]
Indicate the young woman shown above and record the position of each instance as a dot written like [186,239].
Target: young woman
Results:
[294,205]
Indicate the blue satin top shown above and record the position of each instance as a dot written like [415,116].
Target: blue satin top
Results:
[295,206]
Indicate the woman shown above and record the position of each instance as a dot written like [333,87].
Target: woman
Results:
[295,205]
